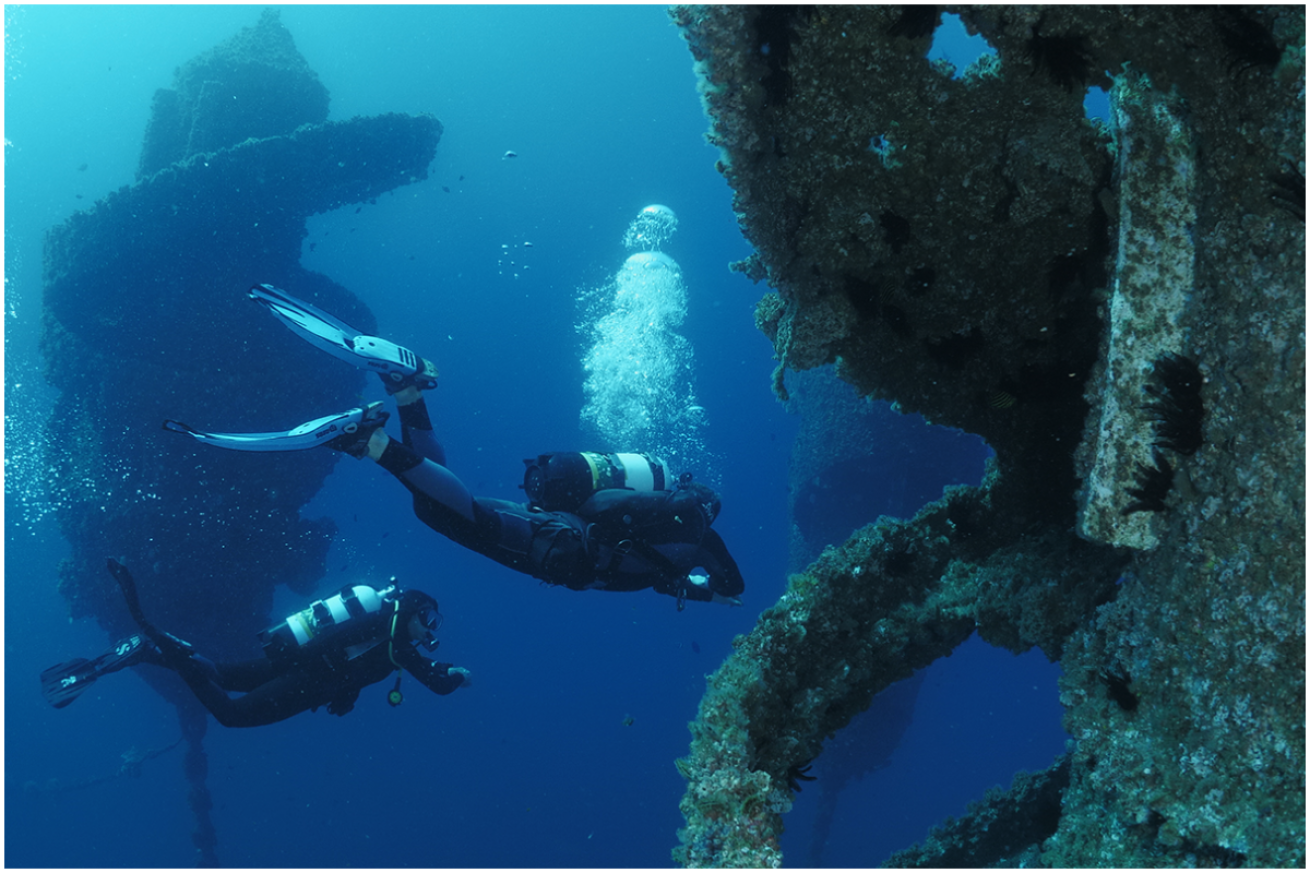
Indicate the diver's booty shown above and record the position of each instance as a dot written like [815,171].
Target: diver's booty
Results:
[355,435]
[423,378]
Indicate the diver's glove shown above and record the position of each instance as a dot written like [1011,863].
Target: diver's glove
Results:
[703,582]
[463,671]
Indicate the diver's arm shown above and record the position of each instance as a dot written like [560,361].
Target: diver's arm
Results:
[725,578]
[437,676]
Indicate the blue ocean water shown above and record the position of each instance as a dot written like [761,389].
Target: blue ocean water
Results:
[561,753]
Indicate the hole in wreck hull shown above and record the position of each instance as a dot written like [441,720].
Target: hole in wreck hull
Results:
[914,463]
[977,718]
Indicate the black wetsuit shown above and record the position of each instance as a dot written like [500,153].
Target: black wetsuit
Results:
[278,689]
[584,550]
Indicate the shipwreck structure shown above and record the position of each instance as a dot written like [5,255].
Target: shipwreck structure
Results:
[1118,311]
[146,317]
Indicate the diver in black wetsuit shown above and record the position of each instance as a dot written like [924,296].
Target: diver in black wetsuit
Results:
[615,539]
[321,656]
[611,522]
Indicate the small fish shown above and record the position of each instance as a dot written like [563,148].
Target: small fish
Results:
[628,721]
[82,169]
[695,647]
[357,208]
[461,178]
[78,196]
[509,155]
[527,245]
[313,246]
[444,188]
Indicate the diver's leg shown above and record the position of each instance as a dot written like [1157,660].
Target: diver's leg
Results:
[415,429]
[418,462]
[279,698]
[244,676]
[416,426]
[422,476]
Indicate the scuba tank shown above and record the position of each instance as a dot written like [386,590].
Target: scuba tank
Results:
[563,481]
[342,620]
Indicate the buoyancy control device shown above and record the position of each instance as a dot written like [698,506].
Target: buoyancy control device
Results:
[352,621]
[680,515]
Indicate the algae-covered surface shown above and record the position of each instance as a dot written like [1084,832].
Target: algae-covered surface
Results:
[1119,312]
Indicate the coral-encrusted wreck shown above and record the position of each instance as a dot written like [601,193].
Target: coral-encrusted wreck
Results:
[973,248]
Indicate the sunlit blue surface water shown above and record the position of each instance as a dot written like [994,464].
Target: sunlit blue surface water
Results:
[536,765]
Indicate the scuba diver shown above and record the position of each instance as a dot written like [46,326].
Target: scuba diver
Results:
[615,522]
[321,656]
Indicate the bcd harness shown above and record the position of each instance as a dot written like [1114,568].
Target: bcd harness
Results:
[568,548]
[339,629]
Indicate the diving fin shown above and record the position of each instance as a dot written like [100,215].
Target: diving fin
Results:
[397,365]
[62,683]
[169,646]
[306,436]
[127,585]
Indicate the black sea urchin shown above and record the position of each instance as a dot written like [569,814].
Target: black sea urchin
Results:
[1066,59]
[1177,408]
[1116,686]
[1249,43]
[797,773]
[1153,484]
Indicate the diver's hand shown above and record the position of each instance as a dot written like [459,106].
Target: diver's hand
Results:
[730,601]
[463,671]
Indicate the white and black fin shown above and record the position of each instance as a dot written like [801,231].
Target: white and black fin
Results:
[309,435]
[337,338]
[62,683]
[127,585]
